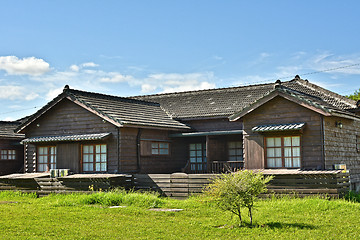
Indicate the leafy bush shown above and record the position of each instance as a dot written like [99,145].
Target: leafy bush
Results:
[233,191]
[353,196]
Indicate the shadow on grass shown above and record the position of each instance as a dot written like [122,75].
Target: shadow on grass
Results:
[273,225]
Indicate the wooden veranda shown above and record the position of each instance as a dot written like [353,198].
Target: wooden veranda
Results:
[332,183]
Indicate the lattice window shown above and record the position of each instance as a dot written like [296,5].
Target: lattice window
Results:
[197,156]
[46,158]
[94,158]
[159,148]
[283,152]
[235,151]
[8,154]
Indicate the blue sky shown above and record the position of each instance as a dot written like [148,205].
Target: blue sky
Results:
[130,48]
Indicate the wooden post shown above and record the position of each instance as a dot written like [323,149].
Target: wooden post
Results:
[208,154]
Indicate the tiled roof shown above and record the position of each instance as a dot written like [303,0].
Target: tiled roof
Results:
[117,110]
[126,111]
[164,110]
[77,137]
[278,127]
[227,101]
[7,130]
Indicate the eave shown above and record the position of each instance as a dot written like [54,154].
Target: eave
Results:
[94,111]
[283,94]
[39,113]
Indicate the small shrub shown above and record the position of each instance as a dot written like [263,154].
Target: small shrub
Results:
[233,191]
[352,196]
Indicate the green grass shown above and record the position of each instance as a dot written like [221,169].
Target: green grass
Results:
[23,216]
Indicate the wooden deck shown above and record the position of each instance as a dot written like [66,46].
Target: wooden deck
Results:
[333,183]
[43,184]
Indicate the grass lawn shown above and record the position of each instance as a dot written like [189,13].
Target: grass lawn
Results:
[89,217]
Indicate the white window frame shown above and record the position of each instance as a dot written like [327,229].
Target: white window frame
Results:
[94,157]
[46,158]
[283,154]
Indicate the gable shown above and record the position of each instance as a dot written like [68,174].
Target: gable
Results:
[304,102]
[66,117]
[279,110]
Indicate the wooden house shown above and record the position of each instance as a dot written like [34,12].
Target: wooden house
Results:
[11,151]
[283,125]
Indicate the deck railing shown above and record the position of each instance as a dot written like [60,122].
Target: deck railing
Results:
[213,167]
[226,166]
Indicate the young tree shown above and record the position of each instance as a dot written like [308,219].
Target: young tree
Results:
[355,96]
[240,189]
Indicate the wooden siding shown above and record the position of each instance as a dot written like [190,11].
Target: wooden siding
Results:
[12,166]
[303,183]
[67,118]
[340,146]
[222,124]
[277,111]
[128,150]
[148,163]
[69,153]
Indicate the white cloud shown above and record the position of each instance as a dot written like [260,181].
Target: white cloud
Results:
[89,64]
[26,66]
[16,93]
[336,64]
[216,57]
[51,94]
[147,88]
[176,82]
[114,77]
[9,119]
[74,68]
[287,72]
[264,55]
[77,68]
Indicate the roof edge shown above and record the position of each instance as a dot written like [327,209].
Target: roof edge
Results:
[40,112]
[278,91]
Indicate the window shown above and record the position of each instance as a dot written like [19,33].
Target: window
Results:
[283,152]
[94,158]
[197,157]
[358,143]
[8,155]
[46,158]
[235,151]
[159,148]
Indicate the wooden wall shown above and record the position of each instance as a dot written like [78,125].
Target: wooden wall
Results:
[220,124]
[276,111]
[68,155]
[12,166]
[67,118]
[340,145]
[128,150]
[148,163]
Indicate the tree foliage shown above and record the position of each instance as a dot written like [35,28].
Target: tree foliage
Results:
[355,96]
[236,190]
